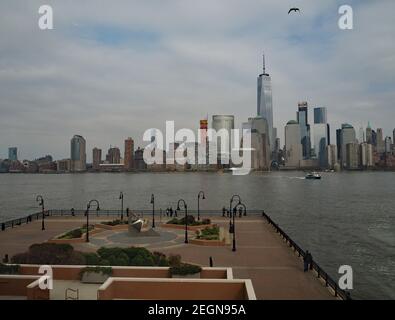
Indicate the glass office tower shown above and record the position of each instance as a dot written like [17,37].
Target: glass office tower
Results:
[320,115]
[13,154]
[78,153]
[302,117]
[264,101]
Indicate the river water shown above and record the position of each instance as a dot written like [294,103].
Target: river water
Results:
[343,219]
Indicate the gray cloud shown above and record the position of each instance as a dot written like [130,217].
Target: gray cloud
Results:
[111,70]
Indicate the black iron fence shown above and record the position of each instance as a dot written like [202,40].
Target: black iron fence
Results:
[329,282]
[104,213]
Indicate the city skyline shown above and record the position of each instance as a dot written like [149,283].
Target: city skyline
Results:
[111,62]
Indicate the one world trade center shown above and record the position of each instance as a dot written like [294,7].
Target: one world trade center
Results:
[265,107]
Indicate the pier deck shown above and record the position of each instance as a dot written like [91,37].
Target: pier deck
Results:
[262,256]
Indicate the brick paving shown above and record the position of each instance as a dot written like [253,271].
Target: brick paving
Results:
[262,256]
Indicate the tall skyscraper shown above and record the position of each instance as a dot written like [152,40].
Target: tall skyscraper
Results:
[321,143]
[369,138]
[348,136]
[339,143]
[129,154]
[352,156]
[374,138]
[202,159]
[321,135]
[96,158]
[293,146]
[331,156]
[302,116]
[380,141]
[265,102]
[366,155]
[320,115]
[78,153]
[361,135]
[387,144]
[13,154]
[224,123]
[260,153]
[113,155]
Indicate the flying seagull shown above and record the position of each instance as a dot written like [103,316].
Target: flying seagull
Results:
[293,9]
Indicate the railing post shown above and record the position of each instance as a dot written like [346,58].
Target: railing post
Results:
[326,280]
[335,289]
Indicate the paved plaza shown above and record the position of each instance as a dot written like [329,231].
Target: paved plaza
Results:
[262,256]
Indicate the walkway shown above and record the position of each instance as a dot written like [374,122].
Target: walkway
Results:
[262,256]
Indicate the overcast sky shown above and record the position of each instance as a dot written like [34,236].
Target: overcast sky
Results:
[112,69]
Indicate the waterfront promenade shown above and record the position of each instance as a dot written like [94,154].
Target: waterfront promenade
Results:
[262,255]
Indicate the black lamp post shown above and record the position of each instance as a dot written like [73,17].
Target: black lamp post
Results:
[87,216]
[40,201]
[153,210]
[241,205]
[186,217]
[200,196]
[234,197]
[121,198]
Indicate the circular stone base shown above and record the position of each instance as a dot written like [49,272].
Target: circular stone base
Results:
[125,238]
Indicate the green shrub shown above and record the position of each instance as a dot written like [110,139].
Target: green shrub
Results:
[174,260]
[173,221]
[191,221]
[9,269]
[160,259]
[76,233]
[50,253]
[132,256]
[92,258]
[209,233]
[185,269]
[103,270]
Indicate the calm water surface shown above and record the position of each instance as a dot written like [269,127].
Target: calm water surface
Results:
[345,218]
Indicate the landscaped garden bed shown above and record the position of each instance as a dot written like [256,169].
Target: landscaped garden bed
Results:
[209,236]
[95,274]
[180,269]
[100,264]
[9,269]
[76,235]
[192,223]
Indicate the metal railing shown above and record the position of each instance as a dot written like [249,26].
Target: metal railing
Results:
[103,213]
[329,282]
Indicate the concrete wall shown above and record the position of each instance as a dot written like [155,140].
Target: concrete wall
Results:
[136,283]
[175,289]
[15,285]
[35,293]
[73,272]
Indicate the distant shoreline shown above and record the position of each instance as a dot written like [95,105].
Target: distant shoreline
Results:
[190,171]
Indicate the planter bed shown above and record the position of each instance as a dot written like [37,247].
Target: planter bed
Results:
[75,240]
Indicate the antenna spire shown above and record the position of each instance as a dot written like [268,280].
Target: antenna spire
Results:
[264,67]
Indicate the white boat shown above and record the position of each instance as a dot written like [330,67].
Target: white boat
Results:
[313,175]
